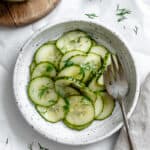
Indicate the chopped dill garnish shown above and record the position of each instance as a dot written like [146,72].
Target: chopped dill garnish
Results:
[43,90]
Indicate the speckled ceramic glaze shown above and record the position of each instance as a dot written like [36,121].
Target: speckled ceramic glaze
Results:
[99,130]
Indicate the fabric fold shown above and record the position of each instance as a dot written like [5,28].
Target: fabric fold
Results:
[139,122]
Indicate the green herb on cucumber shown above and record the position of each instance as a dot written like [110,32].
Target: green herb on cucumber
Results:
[89,67]
[49,68]
[43,90]
[68,63]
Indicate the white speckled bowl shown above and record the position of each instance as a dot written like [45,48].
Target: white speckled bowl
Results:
[99,130]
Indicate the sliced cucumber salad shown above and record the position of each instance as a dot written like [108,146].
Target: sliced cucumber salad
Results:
[67,83]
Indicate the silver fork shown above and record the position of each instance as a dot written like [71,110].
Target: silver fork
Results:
[117,86]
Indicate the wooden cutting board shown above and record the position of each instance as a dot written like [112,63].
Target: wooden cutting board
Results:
[18,14]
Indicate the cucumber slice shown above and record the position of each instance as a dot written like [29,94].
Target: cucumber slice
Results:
[92,62]
[89,63]
[74,40]
[48,52]
[98,105]
[67,56]
[53,113]
[95,87]
[69,81]
[62,82]
[73,71]
[41,91]
[87,75]
[100,81]
[91,66]
[93,59]
[81,111]
[78,59]
[44,69]
[41,109]
[109,105]
[107,60]
[66,91]
[99,50]
[88,93]
[93,43]
[80,127]
[32,66]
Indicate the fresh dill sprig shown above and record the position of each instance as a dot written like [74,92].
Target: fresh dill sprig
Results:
[49,68]
[42,91]
[68,63]
[135,29]
[91,15]
[122,13]
[41,147]
[89,67]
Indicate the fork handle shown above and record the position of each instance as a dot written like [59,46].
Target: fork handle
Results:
[130,139]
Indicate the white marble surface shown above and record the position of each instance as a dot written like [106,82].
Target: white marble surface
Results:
[12,124]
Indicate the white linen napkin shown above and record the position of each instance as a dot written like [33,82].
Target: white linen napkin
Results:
[139,122]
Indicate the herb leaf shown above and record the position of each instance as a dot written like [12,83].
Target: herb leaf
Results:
[42,91]
[49,68]
[81,71]
[68,63]
[66,107]
[91,15]
[41,147]
[89,67]
[122,13]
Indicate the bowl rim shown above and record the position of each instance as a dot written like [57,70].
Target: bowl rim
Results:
[50,25]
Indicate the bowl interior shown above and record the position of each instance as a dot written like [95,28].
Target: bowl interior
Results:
[59,132]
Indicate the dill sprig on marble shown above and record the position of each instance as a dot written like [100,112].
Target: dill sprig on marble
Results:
[41,147]
[30,146]
[91,15]
[122,13]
